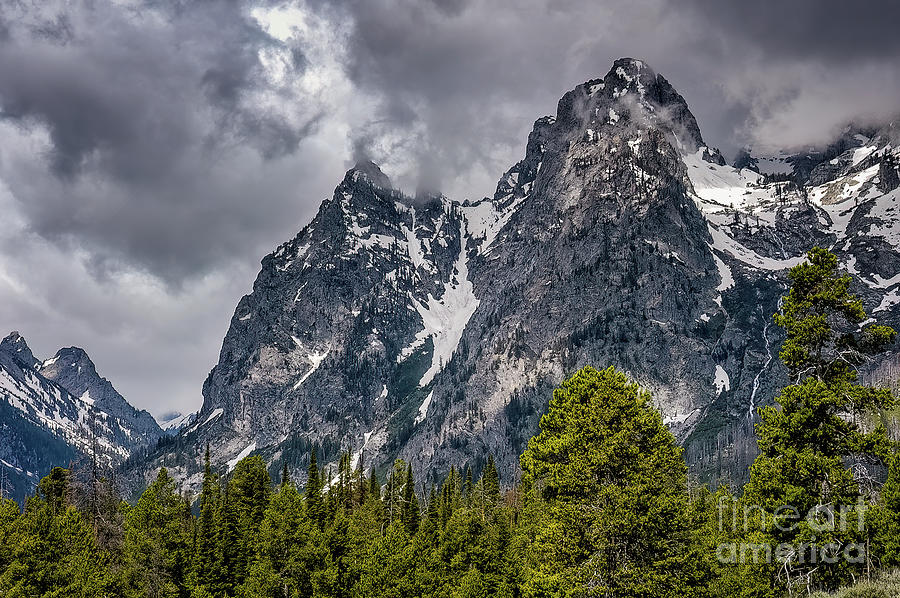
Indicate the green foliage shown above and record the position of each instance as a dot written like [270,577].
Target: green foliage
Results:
[49,550]
[289,549]
[821,318]
[158,541]
[315,506]
[604,508]
[607,506]
[205,544]
[884,519]
[807,439]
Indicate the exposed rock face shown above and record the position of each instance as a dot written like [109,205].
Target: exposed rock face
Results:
[73,370]
[55,411]
[434,331]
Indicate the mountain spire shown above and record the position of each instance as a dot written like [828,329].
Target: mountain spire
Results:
[15,346]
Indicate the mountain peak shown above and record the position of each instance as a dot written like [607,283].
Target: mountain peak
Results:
[631,74]
[14,345]
[633,65]
[632,85]
[13,339]
[368,170]
[69,357]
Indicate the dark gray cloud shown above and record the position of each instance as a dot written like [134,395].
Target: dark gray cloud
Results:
[473,77]
[144,109]
[152,151]
[834,30]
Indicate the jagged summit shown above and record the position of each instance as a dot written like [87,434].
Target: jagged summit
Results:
[436,331]
[368,170]
[633,95]
[12,337]
[59,409]
[631,74]
[69,357]
[15,346]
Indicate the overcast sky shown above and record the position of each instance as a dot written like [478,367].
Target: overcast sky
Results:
[151,152]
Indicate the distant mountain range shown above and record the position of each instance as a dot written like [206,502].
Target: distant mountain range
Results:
[58,411]
[435,330]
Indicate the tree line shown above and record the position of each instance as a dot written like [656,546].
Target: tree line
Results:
[604,507]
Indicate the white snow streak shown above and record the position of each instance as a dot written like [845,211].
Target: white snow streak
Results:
[722,381]
[216,413]
[423,409]
[249,449]
[316,360]
[445,319]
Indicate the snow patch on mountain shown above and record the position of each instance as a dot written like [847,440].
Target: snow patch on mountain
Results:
[723,242]
[315,360]
[722,382]
[178,422]
[722,185]
[215,413]
[244,453]
[485,220]
[446,318]
[423,409]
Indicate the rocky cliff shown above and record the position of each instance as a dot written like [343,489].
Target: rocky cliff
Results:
[434,330]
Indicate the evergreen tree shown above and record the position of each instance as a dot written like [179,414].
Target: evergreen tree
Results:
[158,530]
[9,514]
[248,494]
[206,545]
[491,481]
[884,519]
[388,566]
[411,511]
[285,476]
[365,526]
[55,489]
[289,551]
[800,482]
[51,550]
[229,551]
[315,506]
[374,486]
[608,505]
[395,500]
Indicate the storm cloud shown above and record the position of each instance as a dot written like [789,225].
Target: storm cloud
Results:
[151,152]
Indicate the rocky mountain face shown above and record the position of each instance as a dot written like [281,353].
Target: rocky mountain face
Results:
[59,410]
[433,330]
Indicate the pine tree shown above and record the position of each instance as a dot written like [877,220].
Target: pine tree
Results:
[157,541]
[884,519]
[289,550]
[9,515]
[285,476]
[450,496]
[55,489]
[374,486]
[248,492]
[411,511]
[607,499]
[491,481]
[394,499]
[807,437]
[229,551]
[50,548]
[206,546]
[315,506]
